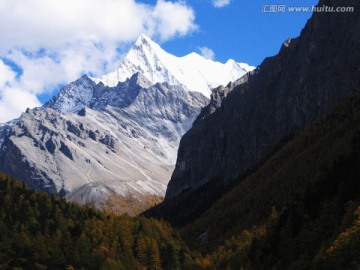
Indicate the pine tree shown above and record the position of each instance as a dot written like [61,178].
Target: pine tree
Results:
[155,261]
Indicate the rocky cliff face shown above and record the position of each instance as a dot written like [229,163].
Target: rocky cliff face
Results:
[5,129]
[112,143]
[286,93]
[85,93]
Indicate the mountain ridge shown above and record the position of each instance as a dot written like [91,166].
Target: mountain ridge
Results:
[192,71]
[129,150]
[84,92]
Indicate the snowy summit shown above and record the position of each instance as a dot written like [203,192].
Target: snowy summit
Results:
[193,71]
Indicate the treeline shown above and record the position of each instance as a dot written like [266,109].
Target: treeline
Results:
[38,231]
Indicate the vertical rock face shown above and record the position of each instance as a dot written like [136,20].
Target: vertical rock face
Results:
[286,93]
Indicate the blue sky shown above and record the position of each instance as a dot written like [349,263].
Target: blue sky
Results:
[45,44]
[240,30]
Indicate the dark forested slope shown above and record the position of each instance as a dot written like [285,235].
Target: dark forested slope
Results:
[42,232]
[299,210]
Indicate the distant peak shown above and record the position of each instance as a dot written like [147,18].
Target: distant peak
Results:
[143,36]
[143,39]
[230,61]
[154,63]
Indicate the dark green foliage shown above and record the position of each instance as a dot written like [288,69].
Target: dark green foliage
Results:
[42,232]
[177,211]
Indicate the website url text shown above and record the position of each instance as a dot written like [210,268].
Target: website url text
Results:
[325,9]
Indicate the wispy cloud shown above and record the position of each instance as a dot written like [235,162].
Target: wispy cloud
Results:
[207,53]
[54,42]
[220,3]
[13,98]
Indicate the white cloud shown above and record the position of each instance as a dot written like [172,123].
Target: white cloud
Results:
[220,3]
[13,100]
[173,18]
[7,75]
[54,42]
[207,53]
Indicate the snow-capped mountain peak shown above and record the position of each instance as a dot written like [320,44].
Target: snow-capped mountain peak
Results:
[144,39]
[192,71]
